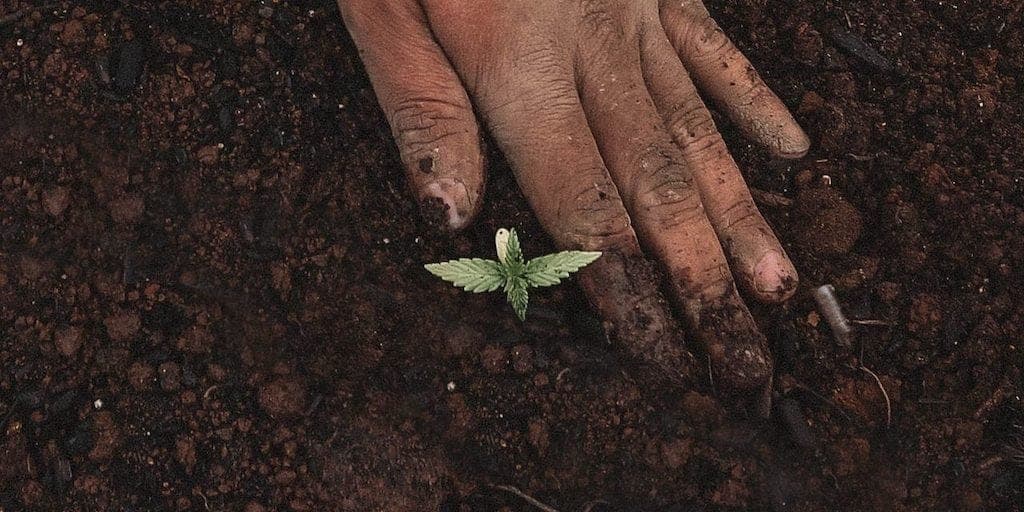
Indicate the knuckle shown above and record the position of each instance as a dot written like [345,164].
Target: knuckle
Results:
[741,213]
[691,122]
[713,281]
[666,192]
[706,40]
[597,18]
[595,217]
[421,124]
[540,58]
[704,143]
[549,98]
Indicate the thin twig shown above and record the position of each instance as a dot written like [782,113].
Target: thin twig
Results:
[873,323]
[526,497]
[592,504]
[888,404]
[862,158]
[711,375]
[993,401]
[206,502]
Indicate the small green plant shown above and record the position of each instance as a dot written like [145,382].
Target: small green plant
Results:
[510,272]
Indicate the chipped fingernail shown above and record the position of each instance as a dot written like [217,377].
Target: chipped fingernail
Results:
[443,203]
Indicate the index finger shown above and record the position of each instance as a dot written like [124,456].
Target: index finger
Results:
[724,74]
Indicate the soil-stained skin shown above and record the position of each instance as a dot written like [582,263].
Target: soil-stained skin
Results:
[739,355]
[135,344]
[627,291]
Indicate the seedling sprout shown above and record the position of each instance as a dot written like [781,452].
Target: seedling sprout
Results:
[510,273]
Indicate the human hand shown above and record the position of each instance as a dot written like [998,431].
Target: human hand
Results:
[594,104]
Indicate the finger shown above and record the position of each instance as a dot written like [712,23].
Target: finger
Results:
[659,192]
[536,118]
[755,254]
[426,105]
[723,73]
[562,174]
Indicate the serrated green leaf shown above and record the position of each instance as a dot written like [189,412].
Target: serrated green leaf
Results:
[472,274]
[513,251]
[551,269]
[518,296]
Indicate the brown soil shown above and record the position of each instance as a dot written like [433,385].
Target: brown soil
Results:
[211,292]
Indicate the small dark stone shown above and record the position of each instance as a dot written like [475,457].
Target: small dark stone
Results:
[956,468]
[130,60]
[856,46]
[180,155]
[29,399]
[63,402]
[792,417]
[188,377]
[63,468]
[78,443]
[225,118]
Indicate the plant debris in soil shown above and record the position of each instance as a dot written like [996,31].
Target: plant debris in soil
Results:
[212,296]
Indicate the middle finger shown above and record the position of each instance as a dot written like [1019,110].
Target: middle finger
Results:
[755,253]
[659,191]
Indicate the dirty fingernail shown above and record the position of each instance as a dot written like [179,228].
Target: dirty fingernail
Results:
[446,202]
[793,143]
[774,277]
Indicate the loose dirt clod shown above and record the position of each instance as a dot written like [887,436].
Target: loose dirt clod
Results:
[825,223]
[68,340]
[56,200]
[283,396]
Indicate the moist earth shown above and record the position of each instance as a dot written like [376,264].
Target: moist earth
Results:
[212,295]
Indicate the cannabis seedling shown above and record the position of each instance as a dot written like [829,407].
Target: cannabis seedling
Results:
[510,272]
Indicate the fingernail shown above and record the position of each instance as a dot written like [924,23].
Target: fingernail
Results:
[444,202]
[794,143]
[774,276]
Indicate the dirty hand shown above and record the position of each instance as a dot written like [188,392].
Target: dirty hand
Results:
[595,106]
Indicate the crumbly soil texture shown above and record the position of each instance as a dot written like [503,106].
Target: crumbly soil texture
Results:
[212,294]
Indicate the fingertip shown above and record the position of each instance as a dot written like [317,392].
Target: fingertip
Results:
[793,142]
[738,351]
[448,204]
[774,278]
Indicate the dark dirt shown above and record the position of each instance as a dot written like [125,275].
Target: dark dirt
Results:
[211,292]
